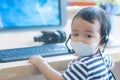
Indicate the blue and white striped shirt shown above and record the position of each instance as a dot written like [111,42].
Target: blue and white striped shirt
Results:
[95,67]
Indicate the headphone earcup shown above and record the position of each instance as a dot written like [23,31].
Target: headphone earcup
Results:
[106,40]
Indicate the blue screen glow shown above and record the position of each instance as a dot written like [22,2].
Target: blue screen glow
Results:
[27,13]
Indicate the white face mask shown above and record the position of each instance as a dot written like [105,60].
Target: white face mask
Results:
[82,49]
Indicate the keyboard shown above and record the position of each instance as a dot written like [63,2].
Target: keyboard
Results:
[45,50]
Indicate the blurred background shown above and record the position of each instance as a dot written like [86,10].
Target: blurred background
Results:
[112,6]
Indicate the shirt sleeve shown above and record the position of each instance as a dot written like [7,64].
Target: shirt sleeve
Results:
[76,71]
[109,61]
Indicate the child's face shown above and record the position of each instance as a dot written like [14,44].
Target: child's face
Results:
[84,31]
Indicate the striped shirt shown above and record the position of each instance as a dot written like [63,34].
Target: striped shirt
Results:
[95,67]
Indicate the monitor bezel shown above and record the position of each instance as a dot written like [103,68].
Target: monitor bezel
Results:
[63,14]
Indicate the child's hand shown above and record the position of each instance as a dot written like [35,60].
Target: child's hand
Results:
[45,69]
[37,60]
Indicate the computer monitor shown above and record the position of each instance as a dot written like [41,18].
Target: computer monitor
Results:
[27,15]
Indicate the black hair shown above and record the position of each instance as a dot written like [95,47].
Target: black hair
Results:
[92,13]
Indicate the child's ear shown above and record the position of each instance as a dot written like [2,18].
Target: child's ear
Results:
[101,43]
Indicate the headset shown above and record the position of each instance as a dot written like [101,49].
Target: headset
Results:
[105,40]
[70,50]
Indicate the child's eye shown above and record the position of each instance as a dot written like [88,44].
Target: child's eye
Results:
[88,36]
[75,35]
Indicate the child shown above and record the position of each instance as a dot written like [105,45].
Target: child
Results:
[89,35]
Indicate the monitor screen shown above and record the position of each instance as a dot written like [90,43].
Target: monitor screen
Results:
[32,14]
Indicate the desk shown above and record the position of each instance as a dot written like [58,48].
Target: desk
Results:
[18,69]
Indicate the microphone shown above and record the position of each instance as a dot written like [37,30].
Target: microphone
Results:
[49,37]
[69,49]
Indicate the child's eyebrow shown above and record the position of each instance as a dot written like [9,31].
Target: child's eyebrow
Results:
[88,31]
